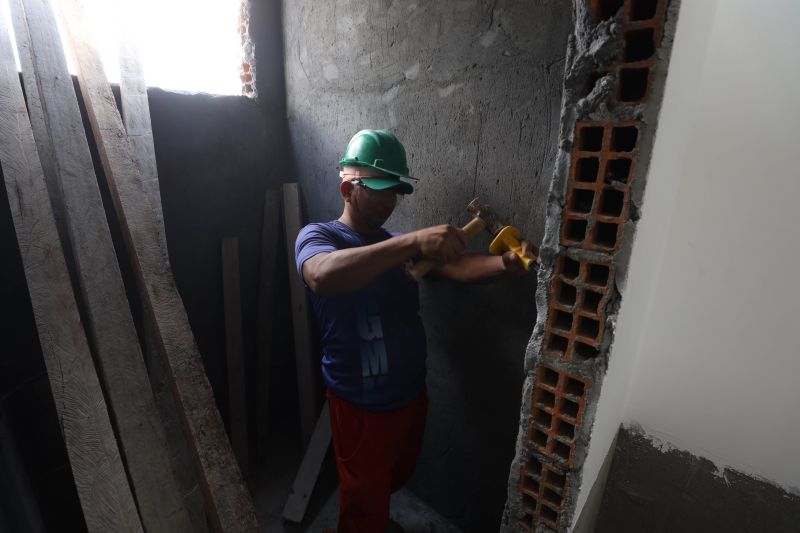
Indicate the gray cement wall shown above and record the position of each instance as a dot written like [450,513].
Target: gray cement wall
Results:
[656,488]
[473,89]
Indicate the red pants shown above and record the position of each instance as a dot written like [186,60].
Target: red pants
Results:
[376,453]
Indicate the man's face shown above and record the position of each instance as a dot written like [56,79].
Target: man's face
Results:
[372,207]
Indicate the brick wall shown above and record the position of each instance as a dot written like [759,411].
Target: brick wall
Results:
[613,81]
[247,72]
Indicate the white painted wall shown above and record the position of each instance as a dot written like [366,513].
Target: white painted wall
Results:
[707,353]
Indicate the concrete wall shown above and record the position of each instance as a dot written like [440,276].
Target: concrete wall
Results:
[473,89]
[706,358]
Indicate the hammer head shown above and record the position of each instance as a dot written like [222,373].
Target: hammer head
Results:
[480,210]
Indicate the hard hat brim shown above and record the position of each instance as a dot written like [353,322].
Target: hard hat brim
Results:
[382,184]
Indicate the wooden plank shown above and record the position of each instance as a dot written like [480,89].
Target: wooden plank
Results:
[266,311]
[237,402]
[136,117]
[136,110]
[296,504]
[96,464]
[110,324]
[44,143]
[228,504]
[305,360]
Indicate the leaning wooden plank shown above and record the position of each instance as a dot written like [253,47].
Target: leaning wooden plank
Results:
[228,503]
[44,143]
[110,323]
[136,116]
[96,464]
[266,311]
[304,354]
[232,297]
[296,504]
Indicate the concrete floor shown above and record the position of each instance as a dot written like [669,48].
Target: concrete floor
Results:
[270,484]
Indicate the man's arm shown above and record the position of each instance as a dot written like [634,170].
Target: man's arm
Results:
[478,268]
[331,273]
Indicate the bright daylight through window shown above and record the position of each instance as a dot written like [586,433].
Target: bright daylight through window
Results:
[184,45]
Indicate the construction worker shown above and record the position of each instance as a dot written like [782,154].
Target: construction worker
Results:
[373,341]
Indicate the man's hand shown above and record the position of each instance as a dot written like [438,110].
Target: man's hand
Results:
[512,263]
[440,243]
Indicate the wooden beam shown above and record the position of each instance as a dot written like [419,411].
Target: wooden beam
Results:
[266,311]
[136,117]
[228,503]
[305,360]
[96,464]
[110,323]
[297,503]
[237,401]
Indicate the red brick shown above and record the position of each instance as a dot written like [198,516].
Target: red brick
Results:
[543,488]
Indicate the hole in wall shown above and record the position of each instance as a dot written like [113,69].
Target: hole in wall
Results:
[548,514]
[591,81]
[642,9]
[530,485]
[612,202]
[591,301]
[587,169]
[548,377]
[623,138]
[546,398]
[557,344]
[539,438]
[604,9]
[597,274]
[583,351]
[543,418]
[581,201]
[639,45]
[569,408]
[588,327]
[590,139]
[575,229]
[618,170]
[562,320]
[552,497]
[528,502]
[566,430]
[561,450]
[605,234]
[534,467]
[574,387]
[633,84]
[566,294]
[554,478]
[569,267]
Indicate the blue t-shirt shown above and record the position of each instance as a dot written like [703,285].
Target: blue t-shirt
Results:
[373,341]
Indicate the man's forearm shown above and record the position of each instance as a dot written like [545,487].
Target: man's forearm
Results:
[472,268]
[350,269]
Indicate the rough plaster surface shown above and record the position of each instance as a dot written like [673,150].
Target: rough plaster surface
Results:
[473,89]
[655,487]
[591,48]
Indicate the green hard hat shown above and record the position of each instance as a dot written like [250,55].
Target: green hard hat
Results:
[381,150]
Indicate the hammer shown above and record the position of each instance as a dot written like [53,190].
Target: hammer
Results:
[505,238]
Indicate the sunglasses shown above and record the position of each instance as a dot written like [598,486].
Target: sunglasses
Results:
[361,184]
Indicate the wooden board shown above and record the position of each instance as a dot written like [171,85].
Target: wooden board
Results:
[228,504]
[96,464]
[266,311]
[136,117]
[304,354]
[237,402]
[110,323]
[296,504]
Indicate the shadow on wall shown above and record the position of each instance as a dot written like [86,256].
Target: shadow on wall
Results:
[473,90]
